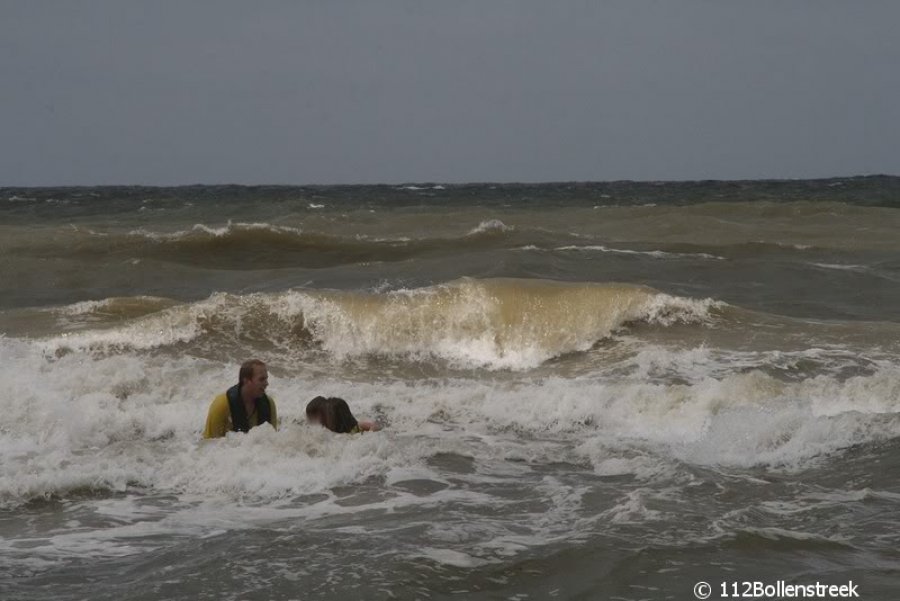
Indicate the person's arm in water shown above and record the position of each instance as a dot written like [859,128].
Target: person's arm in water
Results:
[366,426]
[219,418]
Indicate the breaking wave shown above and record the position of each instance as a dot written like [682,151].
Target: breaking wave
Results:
[494,323]
[129,421]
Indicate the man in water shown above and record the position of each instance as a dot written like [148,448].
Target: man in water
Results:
[244,406]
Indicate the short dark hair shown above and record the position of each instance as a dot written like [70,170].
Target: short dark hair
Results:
[247,368]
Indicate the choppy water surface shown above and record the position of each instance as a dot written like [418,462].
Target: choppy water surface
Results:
[591,391]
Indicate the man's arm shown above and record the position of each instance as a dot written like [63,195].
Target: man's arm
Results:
[218,418]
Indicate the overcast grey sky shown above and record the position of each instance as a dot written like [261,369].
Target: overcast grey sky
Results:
[447,91]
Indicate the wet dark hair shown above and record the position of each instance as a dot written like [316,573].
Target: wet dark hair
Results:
[337,416]
[315,409]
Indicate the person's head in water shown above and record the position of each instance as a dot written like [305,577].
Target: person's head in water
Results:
[337,417]
[253,379]
[315,410]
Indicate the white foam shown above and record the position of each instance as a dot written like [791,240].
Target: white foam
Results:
[656,254]
[118,422]
[631,509]
[490,225]
[84,307]
[841,266]
[215,232]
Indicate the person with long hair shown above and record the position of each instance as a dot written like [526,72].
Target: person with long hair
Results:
[334,413]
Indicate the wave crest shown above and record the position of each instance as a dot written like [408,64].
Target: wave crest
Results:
[494,323]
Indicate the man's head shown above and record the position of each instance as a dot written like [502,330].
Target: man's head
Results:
[253,377]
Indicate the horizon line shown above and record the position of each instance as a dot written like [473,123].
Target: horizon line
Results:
[462,184]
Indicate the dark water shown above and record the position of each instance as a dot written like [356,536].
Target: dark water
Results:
[590,391]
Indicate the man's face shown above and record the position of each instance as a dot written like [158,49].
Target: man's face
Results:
[259,382]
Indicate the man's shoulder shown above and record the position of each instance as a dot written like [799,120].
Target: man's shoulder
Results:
[220,402]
